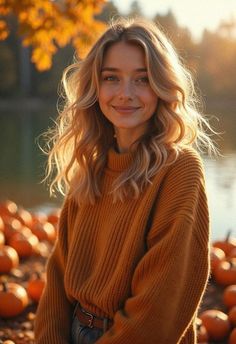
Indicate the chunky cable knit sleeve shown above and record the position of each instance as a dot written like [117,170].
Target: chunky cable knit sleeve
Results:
[53,318]
[169,281]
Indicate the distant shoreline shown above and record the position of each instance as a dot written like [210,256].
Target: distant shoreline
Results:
[220,104]
[34,103]
[29,103]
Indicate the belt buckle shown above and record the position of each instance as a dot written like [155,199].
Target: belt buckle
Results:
[90,324]
[91,318]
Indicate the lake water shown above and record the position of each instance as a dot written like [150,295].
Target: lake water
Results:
[22,163]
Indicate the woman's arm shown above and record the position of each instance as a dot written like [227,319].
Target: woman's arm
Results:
[169,281]
[54,313]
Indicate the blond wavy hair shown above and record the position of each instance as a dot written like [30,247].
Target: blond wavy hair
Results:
[79,142]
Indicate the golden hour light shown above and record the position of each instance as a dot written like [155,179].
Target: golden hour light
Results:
[196,16]
[117,171]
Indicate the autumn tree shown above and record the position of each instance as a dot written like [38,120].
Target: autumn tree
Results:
[217,71]
[108,12]
[212,60]
[181,37]
[135,9]
[48,25]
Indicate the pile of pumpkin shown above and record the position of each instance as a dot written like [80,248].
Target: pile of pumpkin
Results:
[215,325]
[23,235]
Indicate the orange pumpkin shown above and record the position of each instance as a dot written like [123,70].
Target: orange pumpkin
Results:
[8,208]
[35,287]
[216,323]
[232,337]
[9,259]
[25,245]
[1,224]
[11,227]
[217,256]
[232,315]
[202,335]
[13,299]
[232,253]
[53,217]
[44,231]
[39,217]
[2,238]
[24,217]
[227,244]
[225,272]
[229,296]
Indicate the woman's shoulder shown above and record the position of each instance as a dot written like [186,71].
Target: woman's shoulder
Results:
[186,157]
[69,208]
[188,153]
[184,164]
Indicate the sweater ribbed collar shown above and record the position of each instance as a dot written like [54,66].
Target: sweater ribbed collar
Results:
[119,161]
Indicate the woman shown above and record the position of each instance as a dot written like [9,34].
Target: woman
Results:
[131,261]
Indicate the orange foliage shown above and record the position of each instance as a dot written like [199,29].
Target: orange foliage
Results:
[47,25]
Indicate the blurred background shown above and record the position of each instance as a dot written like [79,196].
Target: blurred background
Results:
[39,39]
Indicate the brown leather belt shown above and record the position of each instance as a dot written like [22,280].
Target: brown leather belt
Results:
[90,320]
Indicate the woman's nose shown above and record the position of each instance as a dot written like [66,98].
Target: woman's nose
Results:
[126,90]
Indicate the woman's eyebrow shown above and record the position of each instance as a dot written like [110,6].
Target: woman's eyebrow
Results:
[113,69]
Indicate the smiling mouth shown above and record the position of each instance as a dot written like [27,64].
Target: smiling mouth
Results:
[126,109]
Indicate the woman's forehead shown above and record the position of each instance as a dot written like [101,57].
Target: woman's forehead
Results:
[123,55]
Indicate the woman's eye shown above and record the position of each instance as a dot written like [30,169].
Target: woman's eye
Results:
[110,78]
[142,80]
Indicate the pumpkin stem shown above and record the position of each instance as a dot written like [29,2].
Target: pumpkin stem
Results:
[38,275]
[228,234]
[5,288]
[198,326]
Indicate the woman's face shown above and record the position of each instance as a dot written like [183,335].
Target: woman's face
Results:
[125,95]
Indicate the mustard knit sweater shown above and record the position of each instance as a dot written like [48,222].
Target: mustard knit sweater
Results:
[152,283]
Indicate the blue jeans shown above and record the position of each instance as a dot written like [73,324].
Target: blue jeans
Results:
[81,334]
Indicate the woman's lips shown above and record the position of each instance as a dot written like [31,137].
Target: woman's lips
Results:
[126,109]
